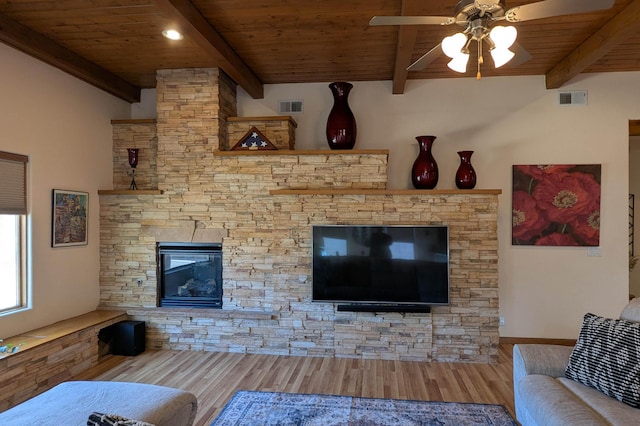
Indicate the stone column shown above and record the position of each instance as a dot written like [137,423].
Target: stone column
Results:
[192,108]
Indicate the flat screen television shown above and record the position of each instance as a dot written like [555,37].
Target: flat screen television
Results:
[375,266]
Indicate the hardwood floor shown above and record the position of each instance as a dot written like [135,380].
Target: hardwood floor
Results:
[213,377]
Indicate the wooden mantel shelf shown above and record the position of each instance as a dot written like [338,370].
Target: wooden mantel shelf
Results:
[319,191]
[129,191]
[302,152]
[135,121]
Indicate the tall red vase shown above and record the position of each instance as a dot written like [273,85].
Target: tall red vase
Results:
[424,173]
[465,175]
[341,124]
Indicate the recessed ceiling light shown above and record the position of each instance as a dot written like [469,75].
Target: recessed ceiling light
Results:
[172,34]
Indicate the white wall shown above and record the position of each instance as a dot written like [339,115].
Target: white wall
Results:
[544,291]
[634,188]
[63,125]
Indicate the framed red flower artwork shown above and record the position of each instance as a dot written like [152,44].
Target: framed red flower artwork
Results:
[556,205]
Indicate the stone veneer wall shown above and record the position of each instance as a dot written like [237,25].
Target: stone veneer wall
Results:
[220,196]
[141,134]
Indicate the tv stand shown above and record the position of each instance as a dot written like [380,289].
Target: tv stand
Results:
[383,307]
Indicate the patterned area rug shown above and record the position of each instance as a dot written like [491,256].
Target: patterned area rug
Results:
[284,409]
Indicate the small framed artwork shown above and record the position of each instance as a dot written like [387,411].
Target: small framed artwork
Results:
[69,217]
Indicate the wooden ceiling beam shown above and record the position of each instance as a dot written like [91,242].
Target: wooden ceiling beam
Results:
[47,50]
[624,25]
[194,25]
[404,49]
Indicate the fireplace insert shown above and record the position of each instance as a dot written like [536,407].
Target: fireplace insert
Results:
[190,275]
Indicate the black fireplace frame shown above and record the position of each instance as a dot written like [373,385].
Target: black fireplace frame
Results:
[162,300]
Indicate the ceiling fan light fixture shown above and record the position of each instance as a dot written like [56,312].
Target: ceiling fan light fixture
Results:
[501,56]
[478,17]
[503,37]
[172,34]
[459,63]
[452,45]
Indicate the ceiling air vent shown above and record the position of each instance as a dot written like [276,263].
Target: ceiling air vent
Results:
[577,97]
[287,107]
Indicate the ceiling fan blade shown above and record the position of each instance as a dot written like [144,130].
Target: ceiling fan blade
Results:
[549,8]
[521,55]
[426,59]
[411,20]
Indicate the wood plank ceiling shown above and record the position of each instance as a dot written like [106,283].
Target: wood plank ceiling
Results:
[117,45]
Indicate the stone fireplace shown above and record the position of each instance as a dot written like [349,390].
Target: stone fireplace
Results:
[261,206]
[189,275]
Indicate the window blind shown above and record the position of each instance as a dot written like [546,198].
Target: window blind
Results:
[13,183]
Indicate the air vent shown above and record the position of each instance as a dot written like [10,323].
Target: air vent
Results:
[287,107]
[578,97]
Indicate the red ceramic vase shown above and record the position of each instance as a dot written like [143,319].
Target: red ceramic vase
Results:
[341,124]
[465,175]
[424,173]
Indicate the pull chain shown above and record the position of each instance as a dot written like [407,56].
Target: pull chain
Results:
[480,59]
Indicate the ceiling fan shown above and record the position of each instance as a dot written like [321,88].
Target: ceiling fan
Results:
[479,18]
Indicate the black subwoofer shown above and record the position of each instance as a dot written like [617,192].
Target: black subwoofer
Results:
[128,338]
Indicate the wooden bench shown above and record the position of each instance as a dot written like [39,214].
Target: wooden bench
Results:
[50,355]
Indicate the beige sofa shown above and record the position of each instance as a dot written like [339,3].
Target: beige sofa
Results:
[544,396]
[71,403]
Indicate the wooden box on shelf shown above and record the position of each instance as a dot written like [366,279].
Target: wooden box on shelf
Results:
[280,130]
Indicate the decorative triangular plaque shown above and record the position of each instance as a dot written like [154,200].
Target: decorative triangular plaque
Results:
[253,140]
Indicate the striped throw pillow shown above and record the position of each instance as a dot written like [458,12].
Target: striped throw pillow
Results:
[607,357]
[101,419]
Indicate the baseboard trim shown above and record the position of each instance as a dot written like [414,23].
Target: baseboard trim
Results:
[529,340]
